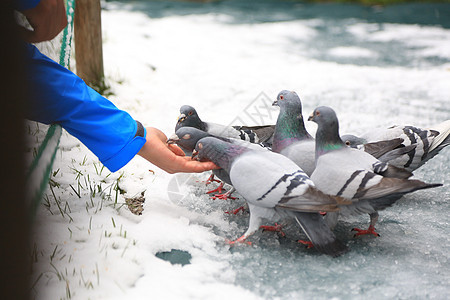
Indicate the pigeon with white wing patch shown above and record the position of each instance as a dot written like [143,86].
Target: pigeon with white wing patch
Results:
[256,134]
[353,174]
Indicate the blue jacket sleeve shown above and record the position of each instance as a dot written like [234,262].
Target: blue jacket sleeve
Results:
[59,96]
[25,4]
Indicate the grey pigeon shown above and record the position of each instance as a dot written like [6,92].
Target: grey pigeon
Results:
[353,174]
[425,143]
[274,186]
[257,134]
[291,138]
[187,138]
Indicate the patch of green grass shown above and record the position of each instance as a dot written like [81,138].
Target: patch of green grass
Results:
[96,188]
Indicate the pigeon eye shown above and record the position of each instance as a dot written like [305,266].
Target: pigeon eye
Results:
[281,97]
[347,143]
[186,136]
[190,113]
[317,113]
[200,146]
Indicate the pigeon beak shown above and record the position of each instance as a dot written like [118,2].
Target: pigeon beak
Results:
[275,103]
[194,155]
[311,116]
[173,139]
[181,118]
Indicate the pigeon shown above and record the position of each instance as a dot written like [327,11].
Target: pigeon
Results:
[291,138]
[187,138]
[343,171]
[256,134]
[274,186]
[426,143]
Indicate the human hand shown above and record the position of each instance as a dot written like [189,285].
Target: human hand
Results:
[170,157]
[48,18]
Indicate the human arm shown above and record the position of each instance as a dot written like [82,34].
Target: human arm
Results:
[170,158]
[47,18]
[59,96]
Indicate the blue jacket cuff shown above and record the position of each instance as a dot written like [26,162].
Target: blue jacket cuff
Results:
[125,154]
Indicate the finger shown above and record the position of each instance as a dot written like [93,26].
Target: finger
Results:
[185,164]
[198,167]
[175,149]
[209,165]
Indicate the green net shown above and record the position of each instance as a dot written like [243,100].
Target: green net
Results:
[39,172]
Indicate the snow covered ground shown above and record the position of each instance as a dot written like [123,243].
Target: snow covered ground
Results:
[228,62]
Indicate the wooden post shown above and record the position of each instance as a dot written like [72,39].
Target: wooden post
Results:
[88,42]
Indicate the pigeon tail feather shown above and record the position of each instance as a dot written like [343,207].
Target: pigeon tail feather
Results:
[442,139]
[389,187]
[436,149]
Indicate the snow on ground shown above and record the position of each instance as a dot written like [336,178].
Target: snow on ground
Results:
[88,245]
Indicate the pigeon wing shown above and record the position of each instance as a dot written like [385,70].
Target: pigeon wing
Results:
[392,187]
[377,149]
[312,200]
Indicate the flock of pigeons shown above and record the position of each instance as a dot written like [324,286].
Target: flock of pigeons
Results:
[282,171]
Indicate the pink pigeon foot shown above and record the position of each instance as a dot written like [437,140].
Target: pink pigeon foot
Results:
[224,196]
[219,189]
[211,179]
[308,244]
[239,240]
[370,230]
[235,211]
[277,228]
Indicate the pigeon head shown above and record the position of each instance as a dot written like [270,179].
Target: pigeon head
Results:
[219,152]
[324,116]
[189,117]
[289,101]
[352,140]
[290,127]
[187,137]
[327,135]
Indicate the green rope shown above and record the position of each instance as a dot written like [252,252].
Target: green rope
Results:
[39,172]
[42,166]
[66,44]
